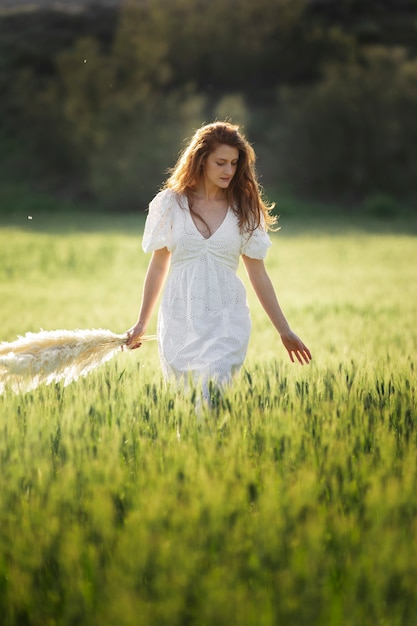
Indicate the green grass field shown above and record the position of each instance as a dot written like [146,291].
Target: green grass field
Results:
[293,503]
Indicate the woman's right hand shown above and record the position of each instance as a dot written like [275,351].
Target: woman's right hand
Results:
[134,335]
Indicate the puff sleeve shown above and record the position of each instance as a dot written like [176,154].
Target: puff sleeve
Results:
[158,225]
[256,244]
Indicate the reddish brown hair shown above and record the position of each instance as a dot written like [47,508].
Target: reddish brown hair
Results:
[244,193]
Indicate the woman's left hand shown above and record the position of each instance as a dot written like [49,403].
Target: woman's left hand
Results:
[296,348]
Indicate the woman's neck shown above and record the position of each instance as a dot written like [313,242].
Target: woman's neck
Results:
[209,193]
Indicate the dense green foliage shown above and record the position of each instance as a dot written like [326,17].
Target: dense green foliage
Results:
[96,103]
[293,502]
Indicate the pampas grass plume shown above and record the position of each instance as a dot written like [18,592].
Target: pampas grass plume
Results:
[53,356]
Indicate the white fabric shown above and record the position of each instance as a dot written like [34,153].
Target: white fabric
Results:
[203,322]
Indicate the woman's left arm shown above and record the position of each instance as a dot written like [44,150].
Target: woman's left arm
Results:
[265,292]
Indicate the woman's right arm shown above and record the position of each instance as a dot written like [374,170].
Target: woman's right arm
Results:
[154,280]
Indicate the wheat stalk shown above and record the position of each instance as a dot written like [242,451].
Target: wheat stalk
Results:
[58,355]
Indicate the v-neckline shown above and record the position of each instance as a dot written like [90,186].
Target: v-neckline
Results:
[217,229]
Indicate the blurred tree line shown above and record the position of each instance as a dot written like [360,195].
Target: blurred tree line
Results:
[95,104]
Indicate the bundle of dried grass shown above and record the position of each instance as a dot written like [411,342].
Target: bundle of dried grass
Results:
[53,356]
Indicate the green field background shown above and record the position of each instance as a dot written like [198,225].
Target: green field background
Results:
[292,502]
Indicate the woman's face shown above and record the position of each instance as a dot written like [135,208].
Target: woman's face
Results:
[220,166]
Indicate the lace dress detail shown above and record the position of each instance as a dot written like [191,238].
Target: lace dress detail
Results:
[203,321]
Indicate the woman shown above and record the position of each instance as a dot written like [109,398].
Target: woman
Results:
[209,213]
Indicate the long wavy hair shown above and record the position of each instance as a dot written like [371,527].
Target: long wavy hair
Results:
[244,193]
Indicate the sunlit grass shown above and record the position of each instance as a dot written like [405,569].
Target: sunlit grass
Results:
[292,502]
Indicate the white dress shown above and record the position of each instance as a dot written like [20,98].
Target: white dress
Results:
[203,321]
